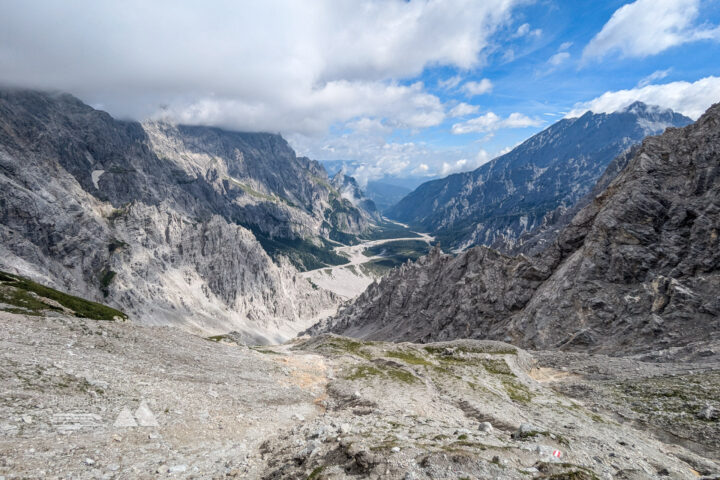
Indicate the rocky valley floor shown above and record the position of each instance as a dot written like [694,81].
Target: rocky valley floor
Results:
[107,399]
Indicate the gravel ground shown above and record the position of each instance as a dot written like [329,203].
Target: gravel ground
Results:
[89,399]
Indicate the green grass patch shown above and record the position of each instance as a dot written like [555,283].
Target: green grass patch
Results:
[401,251]
[105,281]
[315,473]
[363,372]
[408,357]
[487,349]
[388,230]
[516,390]
[400,375]
[496,367]
[265,351]
[81,307]
[23,302]
[379,267]
[247,189]
[303,254]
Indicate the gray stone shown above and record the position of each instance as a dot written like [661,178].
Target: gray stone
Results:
[708,413]
[485,427]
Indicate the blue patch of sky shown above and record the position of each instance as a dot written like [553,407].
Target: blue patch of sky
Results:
[524,81]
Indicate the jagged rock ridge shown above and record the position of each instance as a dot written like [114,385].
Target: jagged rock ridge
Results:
[510,195]
[636,269]
[151,218]
[349,189]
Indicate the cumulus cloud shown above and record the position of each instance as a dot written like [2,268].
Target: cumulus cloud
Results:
[375,155]
[648,27]
[277,65]
[482,87]
[691,99]
[462,109]
[491,122]
[464,164]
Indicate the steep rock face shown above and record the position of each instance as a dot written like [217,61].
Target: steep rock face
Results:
[543,235]
[86,205]
[510,195]
[636,269]
[349,189]
[256,180]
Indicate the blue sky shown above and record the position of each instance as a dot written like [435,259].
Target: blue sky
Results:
[538,69]
[419,88]
[529,82]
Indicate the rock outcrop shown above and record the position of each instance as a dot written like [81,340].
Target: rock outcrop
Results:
[637,269]
[509,196]
[163,221]
[349,189]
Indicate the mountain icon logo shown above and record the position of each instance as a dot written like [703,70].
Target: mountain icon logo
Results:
[143,417]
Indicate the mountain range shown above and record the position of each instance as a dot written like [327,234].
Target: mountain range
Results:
[510,195]
[173,224]
[636,269]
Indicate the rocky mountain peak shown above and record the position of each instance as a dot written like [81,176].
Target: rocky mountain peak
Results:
[636,269]
[187,225]
[509,196]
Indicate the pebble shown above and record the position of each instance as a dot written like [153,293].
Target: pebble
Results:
[178,468]
[395,449]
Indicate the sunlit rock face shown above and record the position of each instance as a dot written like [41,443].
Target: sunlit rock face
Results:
[162,220]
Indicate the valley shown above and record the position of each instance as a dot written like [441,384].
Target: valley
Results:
[360,240]
[367,261]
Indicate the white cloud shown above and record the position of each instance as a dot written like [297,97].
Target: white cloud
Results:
[558,58]
[277,65]
[462,109]
[450,83]
[691,99]
[524,30]
[648,27]
[420,170]
[657,75]
[338,101]
[491,122]
[464,164]
[477,88]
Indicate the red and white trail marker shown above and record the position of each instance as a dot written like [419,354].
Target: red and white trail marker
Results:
[557,453]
